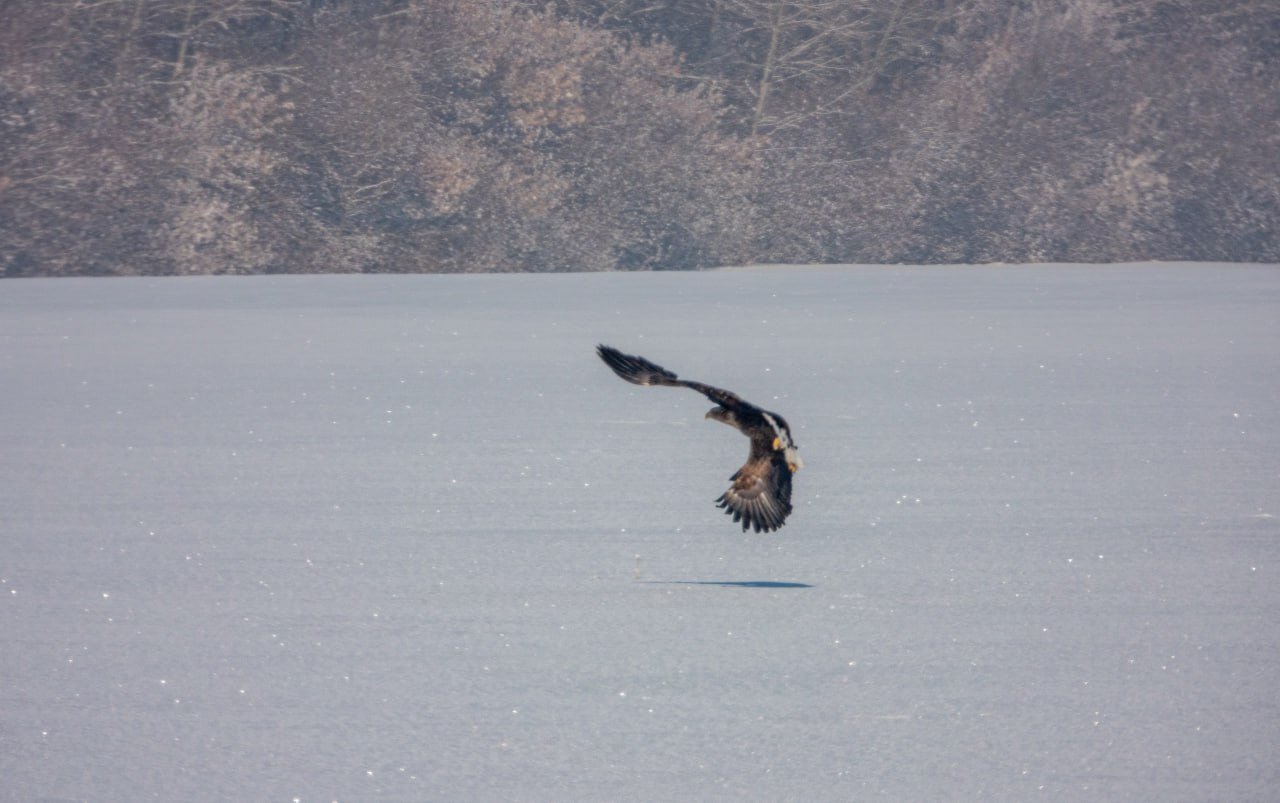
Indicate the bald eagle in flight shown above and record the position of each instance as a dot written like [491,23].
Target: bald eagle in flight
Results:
[760,496]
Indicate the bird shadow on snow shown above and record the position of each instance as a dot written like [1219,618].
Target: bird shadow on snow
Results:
[728,583]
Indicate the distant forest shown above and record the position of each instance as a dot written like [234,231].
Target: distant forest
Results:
[165,137]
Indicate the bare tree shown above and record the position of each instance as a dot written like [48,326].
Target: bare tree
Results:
[789,61]
[467,137]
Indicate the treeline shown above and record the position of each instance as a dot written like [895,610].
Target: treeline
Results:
[256,136]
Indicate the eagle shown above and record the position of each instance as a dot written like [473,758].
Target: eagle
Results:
[760,493]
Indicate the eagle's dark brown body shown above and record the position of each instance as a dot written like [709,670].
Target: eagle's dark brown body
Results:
[760,494]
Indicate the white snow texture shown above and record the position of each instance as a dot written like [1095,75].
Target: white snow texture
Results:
[406,538]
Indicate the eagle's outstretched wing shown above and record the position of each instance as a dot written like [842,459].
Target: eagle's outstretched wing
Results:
[760,496]
[639,371]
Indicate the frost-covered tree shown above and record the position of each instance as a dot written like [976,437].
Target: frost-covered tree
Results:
[468,137]
[1090,131]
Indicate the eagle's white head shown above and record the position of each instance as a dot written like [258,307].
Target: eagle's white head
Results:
[782,441]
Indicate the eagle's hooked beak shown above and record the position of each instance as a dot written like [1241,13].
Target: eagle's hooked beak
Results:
[777,444]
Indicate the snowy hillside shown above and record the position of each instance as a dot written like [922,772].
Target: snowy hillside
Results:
[407,538]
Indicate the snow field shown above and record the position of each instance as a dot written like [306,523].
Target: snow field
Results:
[406,538]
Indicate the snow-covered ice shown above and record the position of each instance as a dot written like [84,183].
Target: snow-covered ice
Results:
[406,538]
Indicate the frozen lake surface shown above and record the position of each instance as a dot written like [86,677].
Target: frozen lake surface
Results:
[406,538]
